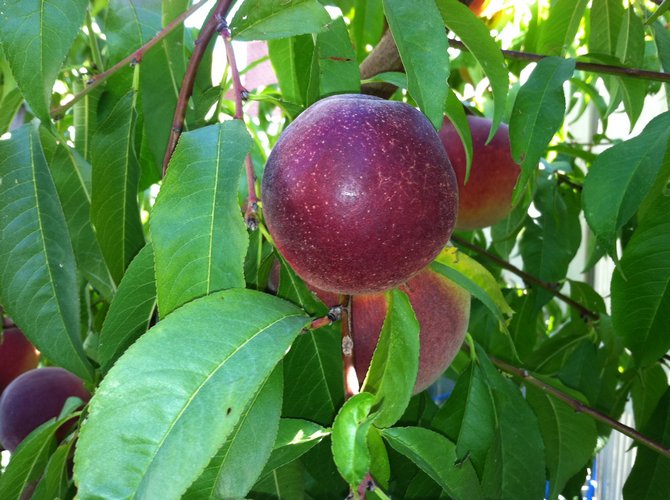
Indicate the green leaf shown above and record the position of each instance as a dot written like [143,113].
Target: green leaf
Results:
[456,115]
[72,178]
[648,388]
[436,456]
[234,469]
[630,51]
[569,437]
[30,459]
[85,119]
[537,115]
[55,482]
[296,68]
[36,36]
[114,208]
[350,438]
[559,30]
[468,417]
[171,401]
[295,437]
[660,10]
[380,467]
[38,280]
[313,382]
[517,443]
[131,310]
[477,38]
[621,177]
[338,69]
[294,289]
[395,362]
[286,482]
[269,19]
[650,476]
[199,237]
[662,40]
[641,283]
[367,26]
[605,23]
[422,43]
[551,241]
[9,107]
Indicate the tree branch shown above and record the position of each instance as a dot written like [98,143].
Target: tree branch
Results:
[134,58]
[528,278]
[607,69]
[580,407]
[186,89]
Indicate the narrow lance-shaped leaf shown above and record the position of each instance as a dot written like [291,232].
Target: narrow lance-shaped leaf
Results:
[295,437]
[294,65]
[621,177]
[131,309]
[115,211]
[605,21]
[537,115]
[269,19]
[238,464]
[199,237]
[641,283]
[55,482]
[436,456]
[395,362]
[338,69]
[456,114]
[36,36]
[171,401]
[477,38]
[419,33]
[38,279]
[72,177]
[569,437]
[559,30]
[350,438]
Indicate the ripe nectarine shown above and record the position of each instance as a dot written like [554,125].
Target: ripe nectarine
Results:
[358,194]
[487,196]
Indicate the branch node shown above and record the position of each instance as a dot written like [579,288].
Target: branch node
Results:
[335,313]
[244,94]
[347,345]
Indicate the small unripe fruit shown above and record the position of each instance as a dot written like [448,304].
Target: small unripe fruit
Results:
[17,355]
[358,194]
[33,398]
[486,198]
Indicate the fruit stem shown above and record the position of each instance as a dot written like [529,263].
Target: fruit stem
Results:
[57,112]
[580,407]
[529,279]
[186,89]
[241,94]
[351,383]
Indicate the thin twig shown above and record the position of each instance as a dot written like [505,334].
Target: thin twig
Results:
[580,407]
[133,58]
[334,314]
[95,49]
[528,278]
[607,69]
[241,94]
[351,383]
[186,89]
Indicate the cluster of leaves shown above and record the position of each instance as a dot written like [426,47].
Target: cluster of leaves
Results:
[205,386]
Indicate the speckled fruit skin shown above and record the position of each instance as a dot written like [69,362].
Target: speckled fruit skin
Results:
[487,197]
[32,399]
[359,194]
[442,309]
[17,355]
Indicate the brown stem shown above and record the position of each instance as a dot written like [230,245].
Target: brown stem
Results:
[578,406]
[607,69]
[384,57]
[351,383]
[528,278]
[134,58]
[205,36]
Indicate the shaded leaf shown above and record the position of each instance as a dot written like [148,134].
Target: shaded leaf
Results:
[605,23]
[367,26]
[38,280]
[115,211]
[422,44]
[338,69]
[295,437]
[395,362]
[36,36]
[456,114]
[436,456]
[199,236]
[648,388]
[296,68]
[559,30]
[159,416]
[55,482]
[131,309]
[9,107]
